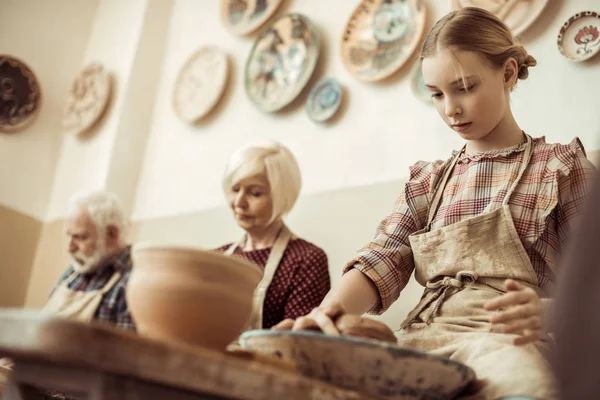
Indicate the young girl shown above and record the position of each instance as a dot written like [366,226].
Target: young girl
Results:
[482,230]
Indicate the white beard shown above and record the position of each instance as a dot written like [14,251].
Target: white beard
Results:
[92,263]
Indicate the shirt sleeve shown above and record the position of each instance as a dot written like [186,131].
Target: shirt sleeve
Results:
[310,285]
[388,259]
[574,183]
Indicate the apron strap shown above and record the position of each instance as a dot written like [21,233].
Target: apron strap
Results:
[439,190]
[256,319]
[524,165]
[260,292]
[111,283]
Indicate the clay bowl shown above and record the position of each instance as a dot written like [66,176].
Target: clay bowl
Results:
[375,368]
[197,297]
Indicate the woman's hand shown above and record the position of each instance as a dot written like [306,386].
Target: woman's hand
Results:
[320,318]
[520,312]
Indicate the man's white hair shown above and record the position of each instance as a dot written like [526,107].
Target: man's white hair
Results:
[104,208]
[279,166]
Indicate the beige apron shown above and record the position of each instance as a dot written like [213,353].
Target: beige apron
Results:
[77,305]
[275,256]
[462,266]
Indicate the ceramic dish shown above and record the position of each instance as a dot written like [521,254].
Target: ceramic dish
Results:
[20,95]
[579,37]
[381,36]
[324,100]
[379,369]
[244,16]
[88,99]
[518,15]
[281,62]
[418,84]
[200,83]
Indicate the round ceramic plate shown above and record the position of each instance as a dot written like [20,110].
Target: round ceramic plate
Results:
[324,100]
[20,95]
[244,16]
[579,37]
[200,83]
[87,99]
[281,62]
[379,369]
[380,36]
[518,15]
[418,83]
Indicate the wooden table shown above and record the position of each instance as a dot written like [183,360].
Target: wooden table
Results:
[97,362]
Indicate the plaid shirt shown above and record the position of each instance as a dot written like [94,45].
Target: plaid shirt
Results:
[113,307]
[549,196]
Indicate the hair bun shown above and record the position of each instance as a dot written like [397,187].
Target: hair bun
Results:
[526,62]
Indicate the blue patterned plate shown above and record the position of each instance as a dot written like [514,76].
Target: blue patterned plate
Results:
[379,369]
[324,100]
[381,36]
[281,62]
[244,16]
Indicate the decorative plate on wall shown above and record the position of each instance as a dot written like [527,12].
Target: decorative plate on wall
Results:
[200,83]
[20,95]
[324,100]
[87,99]
[281,62]
[579,37]
[518,15]
[244,16]
[380,36]
[418,83]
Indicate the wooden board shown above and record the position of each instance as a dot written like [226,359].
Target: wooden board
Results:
[27,336]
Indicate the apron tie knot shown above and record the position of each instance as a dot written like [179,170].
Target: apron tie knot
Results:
[440,293]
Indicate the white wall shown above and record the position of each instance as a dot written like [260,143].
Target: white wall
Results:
[84,162]
[50,37]
[383,130]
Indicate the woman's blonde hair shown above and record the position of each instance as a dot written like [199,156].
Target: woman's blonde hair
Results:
[277,163]
[475,29]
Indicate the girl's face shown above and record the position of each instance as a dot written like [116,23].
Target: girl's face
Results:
[471,97]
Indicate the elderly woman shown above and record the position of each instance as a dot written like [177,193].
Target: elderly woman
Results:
[262,183]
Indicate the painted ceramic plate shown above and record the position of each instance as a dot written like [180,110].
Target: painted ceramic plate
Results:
[244,16]
[579,37]
[200,83]
[379,369]
[20,95]
[418,84]
[281,62]
[518,15]
[324,100]
[380,36]
[87,100]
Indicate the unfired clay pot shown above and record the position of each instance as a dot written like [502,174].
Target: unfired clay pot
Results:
[198,297]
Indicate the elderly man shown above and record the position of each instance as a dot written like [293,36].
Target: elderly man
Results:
[93,286]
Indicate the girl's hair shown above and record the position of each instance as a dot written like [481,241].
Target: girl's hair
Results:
[475,29]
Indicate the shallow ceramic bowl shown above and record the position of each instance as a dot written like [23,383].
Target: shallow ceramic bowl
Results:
[245,16]
[381,36]
[324,100]
[281,62]
[198,297]
[579,37]
[379,369]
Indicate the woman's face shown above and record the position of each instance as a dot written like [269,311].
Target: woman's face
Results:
[251,202]
[471,100]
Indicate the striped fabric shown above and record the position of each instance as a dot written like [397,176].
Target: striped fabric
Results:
[113,307]
[548,198]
